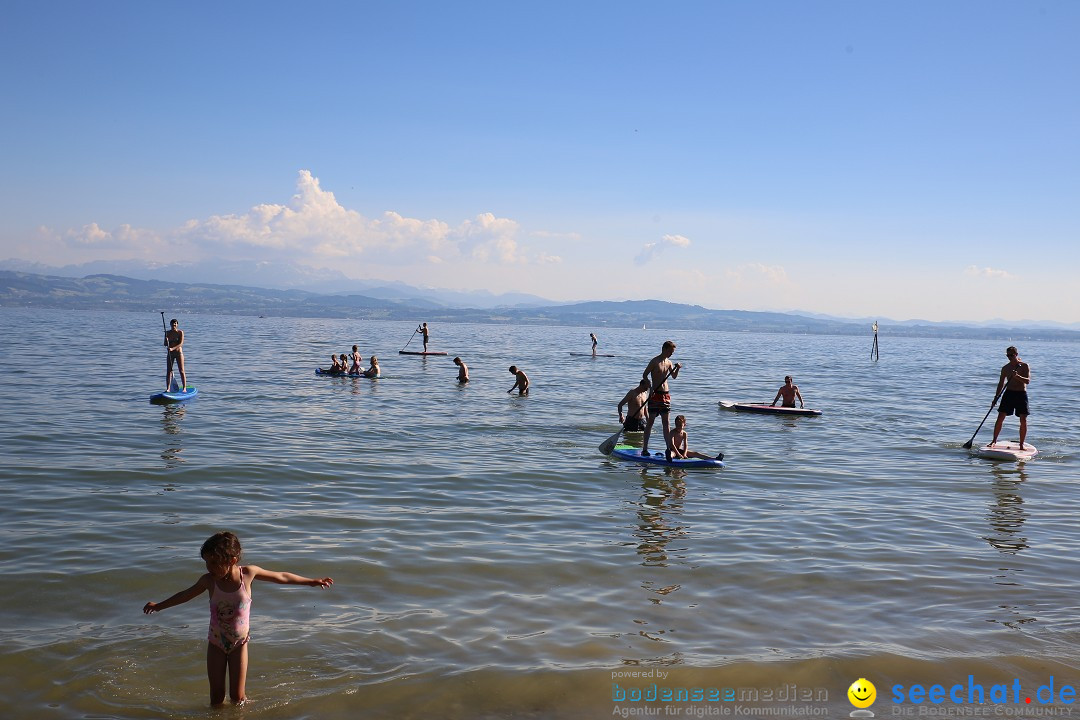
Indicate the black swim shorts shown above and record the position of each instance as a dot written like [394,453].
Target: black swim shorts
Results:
[1014,401]
[634,424]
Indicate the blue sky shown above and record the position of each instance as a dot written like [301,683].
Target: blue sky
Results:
[884,159]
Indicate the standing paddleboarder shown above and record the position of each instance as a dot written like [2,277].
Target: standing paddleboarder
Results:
[659,369]
[174,341]
[1014,379]
[423,331]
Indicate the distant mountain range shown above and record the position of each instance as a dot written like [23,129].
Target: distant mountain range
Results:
[117,292]
[282,276]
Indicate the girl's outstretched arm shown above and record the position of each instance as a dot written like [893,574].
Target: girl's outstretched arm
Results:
[287,578]
[181,597]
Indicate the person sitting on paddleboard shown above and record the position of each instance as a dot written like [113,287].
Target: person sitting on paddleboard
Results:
[659,369]
[344,363]
[174,340]
[463,371]
[635,401]
[356,361]
[335,366]
[373,371]
[423,331]
[522,382]
[678,444]
[789,391]
[1015,376]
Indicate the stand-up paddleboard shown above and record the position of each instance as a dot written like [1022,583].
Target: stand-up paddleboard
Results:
[625,452]
[765,409]
[1006,451]
[174,396]
[592,354]
[421,352]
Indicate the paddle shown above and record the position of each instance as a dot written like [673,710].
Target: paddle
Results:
[608,445]
[163,328]
[411,337]
[967,445]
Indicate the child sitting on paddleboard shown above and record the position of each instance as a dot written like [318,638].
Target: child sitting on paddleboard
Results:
[678,450]
[229,586]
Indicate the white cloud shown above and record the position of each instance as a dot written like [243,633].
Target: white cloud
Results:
[986,272]
[314,228]
[651,250]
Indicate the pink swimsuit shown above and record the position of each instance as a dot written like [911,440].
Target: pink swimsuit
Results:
[229,616]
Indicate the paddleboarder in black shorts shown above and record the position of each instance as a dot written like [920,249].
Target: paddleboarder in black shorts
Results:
[1015,376]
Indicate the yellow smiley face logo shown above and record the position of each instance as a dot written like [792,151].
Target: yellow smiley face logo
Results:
[862,693]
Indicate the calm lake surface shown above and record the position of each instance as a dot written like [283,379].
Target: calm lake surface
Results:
[488,561]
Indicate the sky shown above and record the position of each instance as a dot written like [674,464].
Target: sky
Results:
[862,159]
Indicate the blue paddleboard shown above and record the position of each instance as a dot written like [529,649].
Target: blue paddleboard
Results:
[625,452]
[175,396]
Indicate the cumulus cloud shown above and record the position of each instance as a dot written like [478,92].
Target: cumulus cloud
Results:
[651,250]
[314,228]
[986,272]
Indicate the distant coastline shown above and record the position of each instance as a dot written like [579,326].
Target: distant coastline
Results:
[117,292]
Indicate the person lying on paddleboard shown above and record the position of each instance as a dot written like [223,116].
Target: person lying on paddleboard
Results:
[372,371]
[522,382]
[635,401]
[678,444]
[789,391]
[463,371]
[1015,376]
[174,340]
[659,369]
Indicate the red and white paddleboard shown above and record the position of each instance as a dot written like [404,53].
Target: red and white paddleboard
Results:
[1006,451]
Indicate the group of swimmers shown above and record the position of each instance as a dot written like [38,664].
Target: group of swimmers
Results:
[340,365]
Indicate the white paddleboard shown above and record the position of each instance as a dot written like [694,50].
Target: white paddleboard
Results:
[1006,451]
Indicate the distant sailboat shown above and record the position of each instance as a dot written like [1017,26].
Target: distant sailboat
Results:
[642,326]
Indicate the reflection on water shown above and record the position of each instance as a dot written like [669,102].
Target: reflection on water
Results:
[660,502]
[1006,515]
[171,416]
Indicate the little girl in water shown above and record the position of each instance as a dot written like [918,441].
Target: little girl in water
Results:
[229,586]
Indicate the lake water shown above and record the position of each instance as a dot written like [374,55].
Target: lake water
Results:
[488,561]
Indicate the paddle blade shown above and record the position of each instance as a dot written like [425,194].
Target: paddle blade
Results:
[967,445]
[608,445]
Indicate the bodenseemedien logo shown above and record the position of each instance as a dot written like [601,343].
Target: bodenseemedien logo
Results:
[862,695]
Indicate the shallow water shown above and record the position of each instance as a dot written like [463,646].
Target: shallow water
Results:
[488,561]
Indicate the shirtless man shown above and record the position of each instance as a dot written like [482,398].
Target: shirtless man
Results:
[634,401]
[592,336]
[1015,376]
[659,369]
[174,340]
[423,331]
[463,371]
[522,382]
[789,392]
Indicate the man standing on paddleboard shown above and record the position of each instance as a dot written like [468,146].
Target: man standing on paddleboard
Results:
[174,340]
[1015,376]
[659,369]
